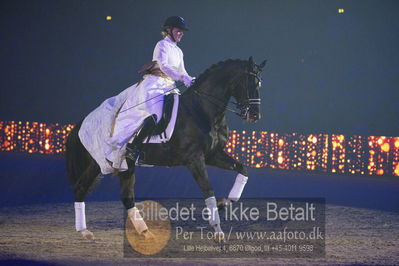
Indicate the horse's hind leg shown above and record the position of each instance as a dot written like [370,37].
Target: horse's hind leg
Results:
[81,188]
[222,160]
[127,181]
[86,181]
[83,171]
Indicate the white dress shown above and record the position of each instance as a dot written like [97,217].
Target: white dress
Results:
[106,130]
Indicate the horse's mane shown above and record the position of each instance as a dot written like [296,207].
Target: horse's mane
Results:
[204,75]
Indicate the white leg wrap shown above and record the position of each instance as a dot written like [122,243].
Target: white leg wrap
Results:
[214,219]
[80,216]
[238,187]
[137,220]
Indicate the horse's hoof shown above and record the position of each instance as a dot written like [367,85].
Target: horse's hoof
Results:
[223,203]
[87,234]
[219,237]
[148,235]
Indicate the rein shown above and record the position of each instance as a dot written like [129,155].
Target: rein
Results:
[244,107]
[151,98]
[216,98]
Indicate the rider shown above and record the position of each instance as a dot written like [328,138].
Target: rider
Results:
[167,66]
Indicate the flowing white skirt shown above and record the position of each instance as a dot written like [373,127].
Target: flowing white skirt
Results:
[106,130]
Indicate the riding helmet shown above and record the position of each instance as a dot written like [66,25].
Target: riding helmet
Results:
[175,22]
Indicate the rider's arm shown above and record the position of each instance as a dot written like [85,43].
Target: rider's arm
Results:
[186,78]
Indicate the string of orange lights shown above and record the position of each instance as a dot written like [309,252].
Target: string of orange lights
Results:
[330,153]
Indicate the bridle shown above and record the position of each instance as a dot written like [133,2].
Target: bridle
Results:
[244,106]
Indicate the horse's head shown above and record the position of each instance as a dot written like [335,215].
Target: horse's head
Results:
[246,91]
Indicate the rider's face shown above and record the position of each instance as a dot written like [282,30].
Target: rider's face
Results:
[177,34]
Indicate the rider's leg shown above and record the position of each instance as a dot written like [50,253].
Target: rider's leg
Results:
[133,149]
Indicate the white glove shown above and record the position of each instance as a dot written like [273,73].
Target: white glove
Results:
[188,81]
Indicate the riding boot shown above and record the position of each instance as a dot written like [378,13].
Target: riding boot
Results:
[133,149]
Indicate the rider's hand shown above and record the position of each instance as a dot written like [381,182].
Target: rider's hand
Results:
[188,81]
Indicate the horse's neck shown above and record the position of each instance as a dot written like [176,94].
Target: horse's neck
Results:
[209,97]
[219,80]
[211,100]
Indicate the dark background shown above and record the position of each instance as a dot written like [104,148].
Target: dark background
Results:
[326,73]
[38,179]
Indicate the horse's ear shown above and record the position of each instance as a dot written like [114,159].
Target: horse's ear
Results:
[262,65]
[251,61]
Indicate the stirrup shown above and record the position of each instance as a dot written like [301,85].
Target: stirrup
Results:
[132,152]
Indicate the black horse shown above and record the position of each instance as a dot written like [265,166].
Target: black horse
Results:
[198,140]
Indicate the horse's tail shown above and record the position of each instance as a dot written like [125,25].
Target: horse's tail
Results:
[76,155]
[83,170]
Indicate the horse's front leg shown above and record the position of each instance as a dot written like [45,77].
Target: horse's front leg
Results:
[197,168]
[222,160]
[127,181]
